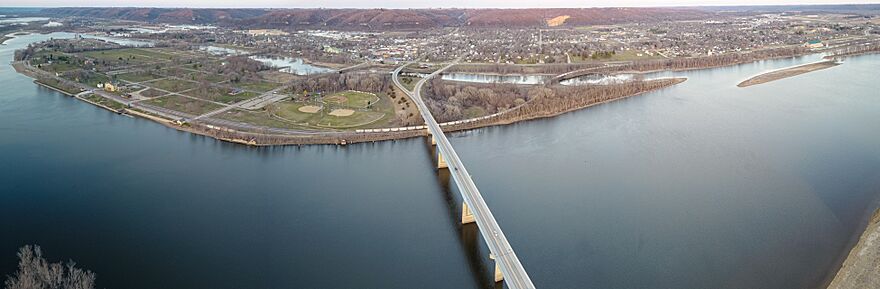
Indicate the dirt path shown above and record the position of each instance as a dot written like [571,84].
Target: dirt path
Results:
[787,72]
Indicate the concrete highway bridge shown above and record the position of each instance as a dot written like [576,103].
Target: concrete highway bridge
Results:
[474,209]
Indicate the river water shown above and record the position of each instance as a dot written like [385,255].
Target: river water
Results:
[291,65]
[702,185]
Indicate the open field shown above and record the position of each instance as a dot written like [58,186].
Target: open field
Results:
[117,57]
[259,118]
[787,72]
[155,53]
[336,118]
[138,55]
[54,61]
[91,79]
[104,101]
[259,86]
[474,111]
[230,99]
[137,76]
[409,82]
[55,83]
[351,98]
[199,76]
[220,94]
[150,92]
[172,85]
[183,104]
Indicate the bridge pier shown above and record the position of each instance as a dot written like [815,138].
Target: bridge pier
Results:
[517,277]
[498,275]
[467,216]
[441,163]
[433,139]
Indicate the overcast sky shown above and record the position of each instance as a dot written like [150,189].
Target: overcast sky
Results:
[412,3]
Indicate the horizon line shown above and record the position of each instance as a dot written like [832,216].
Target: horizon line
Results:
[440,8]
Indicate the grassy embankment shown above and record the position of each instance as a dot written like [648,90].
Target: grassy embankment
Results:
[409,82]
[101,101]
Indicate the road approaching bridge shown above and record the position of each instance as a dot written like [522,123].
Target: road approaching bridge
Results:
[505,259]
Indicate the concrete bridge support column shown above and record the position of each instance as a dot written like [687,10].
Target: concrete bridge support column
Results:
[467,216]
[433,140]
[441,163]
[498,276]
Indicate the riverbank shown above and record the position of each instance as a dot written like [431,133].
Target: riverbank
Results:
[231,134]
[250,134]
[787,72]
[521,113]
[861,269]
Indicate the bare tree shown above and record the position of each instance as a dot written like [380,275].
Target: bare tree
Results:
[34,272]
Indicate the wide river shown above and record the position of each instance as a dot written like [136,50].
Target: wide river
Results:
[701,185]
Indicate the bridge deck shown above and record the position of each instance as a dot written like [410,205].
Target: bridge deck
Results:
[514,274]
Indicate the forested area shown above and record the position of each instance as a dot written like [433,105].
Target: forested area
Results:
[235,68]
[546,101]
[522,69]
[855,50]
[711,61]
[549,101]
[448,100]
[328,83]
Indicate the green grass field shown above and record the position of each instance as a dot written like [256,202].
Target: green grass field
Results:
[59,67]
[351,99]
[474,111]
[59,85]
[287,114]
[183,104]
[136,55]
[230,99]
[210,77]
[104,101]
[151,92]
[91,79]
[259,118]
[137,76]
[290,111]
[259,86]
[172,85]
[220,94]
[61,61]
[153,53]
[409,82]
[117,57]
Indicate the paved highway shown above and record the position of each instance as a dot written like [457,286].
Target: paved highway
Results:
[514,274]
